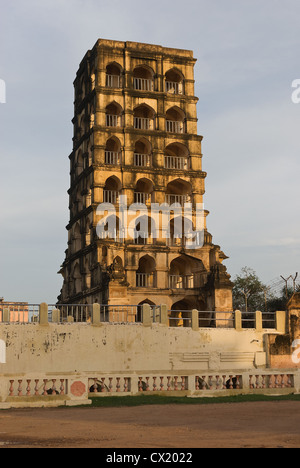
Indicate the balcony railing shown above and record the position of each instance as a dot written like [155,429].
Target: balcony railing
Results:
[142,160]
[173,87]
[113,81]
[143,84]
[112,158]
[110,196]
[174,126]
[144,280]
[176,162]
[113,120]
[181,199]
[142,123]
[142,197]
[181,281]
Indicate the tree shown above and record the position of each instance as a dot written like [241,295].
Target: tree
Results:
[249,293]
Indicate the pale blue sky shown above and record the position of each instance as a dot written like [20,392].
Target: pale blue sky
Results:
[248,56]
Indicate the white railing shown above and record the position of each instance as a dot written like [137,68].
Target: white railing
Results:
[113,120]
[142,197]
[142,160]
[144,280]
[143,84]
[176,162]
[181,199]
[112,158]
[173,87]
[181,281]
[173,126]
[142,123]
[110,196]
[113,81]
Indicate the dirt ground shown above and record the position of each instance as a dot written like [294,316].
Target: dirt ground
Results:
[239,425]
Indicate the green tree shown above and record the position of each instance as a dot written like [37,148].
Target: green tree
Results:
[249,293]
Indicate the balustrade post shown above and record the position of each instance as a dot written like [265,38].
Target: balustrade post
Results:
[195,320]
[281,321]
[43,314]
[258,321]
[147,321]
[96,314]
[55,316]
[164,319]
[238,320]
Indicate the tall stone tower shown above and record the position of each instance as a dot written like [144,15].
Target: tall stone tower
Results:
[135,135]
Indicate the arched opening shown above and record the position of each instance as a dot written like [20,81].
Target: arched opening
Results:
[77,279]
[145,275]
[114,115]
[181,273]
[144,191]
[174,82]
[145,230]
[112,190]
[179,191]
[144,117]
[142,153]
[181,312]
[109,228]
[177,157]
[175,120]
[77,238]
[113,152]
[143,78]
[179,230]
[113,75]
[79,163]
[139,316]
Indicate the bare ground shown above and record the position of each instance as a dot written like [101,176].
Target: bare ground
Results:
[239,425]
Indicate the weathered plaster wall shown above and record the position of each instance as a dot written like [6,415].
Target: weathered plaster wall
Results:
[72,347]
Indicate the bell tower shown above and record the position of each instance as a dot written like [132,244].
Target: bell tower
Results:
[135,139]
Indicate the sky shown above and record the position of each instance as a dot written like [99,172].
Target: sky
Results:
[248,57]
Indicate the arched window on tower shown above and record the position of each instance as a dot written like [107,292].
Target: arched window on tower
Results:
[179,191]
[112,190]
[175,120]
[144,117]
[143,78]
[174,82]
[146,273]
[114,75]
[114,114]
[113,152]
[142,153]
[177,157]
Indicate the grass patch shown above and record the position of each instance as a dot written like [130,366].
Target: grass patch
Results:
[142,400]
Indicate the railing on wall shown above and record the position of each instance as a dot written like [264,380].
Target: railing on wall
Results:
[128,314]
[118,384]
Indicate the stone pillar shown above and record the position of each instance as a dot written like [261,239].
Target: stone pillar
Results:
[43,314]
[147,321]
[164,318]
[55,316]
[195,320]
[238,320]
[258,321]
[281,321]
[96,314]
